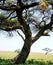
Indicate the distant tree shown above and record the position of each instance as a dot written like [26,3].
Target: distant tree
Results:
[47,50]
[23,12]
[17,50]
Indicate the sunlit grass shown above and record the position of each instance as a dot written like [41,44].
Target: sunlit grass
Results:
[33,58]
[7,54]
[41,56]
[36,56]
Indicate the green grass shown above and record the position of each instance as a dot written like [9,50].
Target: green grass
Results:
[29,62]
[33,58]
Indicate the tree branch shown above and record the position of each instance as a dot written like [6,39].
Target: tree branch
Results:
[10,28]
[21,36]
[30,5]
[23,6]
[40,33]
[13,17]
[8,8]
[10,14]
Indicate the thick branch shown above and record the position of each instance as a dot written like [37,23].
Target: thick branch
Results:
[51,3]
[33,4]
[10,14]
[9,8]
[14,7]
[30,5]
[40,33]
[11,28]
[27,44]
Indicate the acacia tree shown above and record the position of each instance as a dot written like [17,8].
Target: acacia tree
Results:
[21,11]
[47,50]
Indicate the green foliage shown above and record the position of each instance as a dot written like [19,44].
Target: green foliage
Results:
[5,62]
[29,62]
[1,15]
[46,0]
[7,20]
[11,20]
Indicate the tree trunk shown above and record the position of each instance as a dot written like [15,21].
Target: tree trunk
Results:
[21,58]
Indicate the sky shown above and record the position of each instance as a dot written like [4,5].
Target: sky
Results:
[12,43]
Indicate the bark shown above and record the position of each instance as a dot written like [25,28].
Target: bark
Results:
[21,58]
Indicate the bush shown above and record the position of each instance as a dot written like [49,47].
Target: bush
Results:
[29,62]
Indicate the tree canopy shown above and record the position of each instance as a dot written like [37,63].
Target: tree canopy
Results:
[27,15]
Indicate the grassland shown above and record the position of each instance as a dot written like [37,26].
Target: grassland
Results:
[7,54]
[41,56]
[33,58]
[36,56]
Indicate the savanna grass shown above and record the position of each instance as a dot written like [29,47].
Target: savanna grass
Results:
[28,62]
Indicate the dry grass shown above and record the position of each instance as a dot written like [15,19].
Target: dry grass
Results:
[36,56]
[7,54]
[41,56]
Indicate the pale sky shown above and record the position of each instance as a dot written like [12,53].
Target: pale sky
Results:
[15,42]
